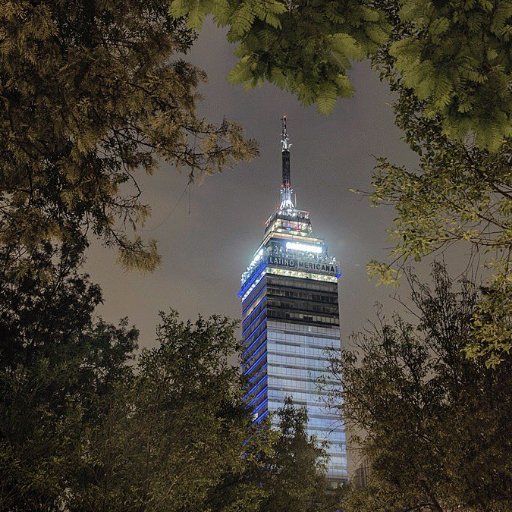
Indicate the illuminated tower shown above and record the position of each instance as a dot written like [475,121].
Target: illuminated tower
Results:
[290,315]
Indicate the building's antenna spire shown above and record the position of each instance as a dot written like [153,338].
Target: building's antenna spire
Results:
[285,149]
[286,190]
[285,141]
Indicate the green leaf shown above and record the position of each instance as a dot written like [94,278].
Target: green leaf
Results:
[326,99]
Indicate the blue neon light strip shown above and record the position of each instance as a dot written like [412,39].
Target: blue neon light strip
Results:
[249,393]
[255,333]
[264,367]
[264,403]
[261,347]
[253,365]
[258,316]
[257,384]
[255,399]
[253,296]
[253,378]
[259,419]
[254,342]
[253,278]
[256,298]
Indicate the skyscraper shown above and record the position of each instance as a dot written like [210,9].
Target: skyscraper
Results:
[290,316]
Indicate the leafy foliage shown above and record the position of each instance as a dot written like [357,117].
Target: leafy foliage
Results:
[295,475]
[459,193]
[455,56]
[493,322]
[435,425]
[301,46]
[92,94]
[450,65]
[55,365]
[175,429]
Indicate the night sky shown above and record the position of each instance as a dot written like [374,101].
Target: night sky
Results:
[207,238]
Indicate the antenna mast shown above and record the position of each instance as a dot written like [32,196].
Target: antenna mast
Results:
[286,190]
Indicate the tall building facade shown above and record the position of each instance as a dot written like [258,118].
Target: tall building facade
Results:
[290,316]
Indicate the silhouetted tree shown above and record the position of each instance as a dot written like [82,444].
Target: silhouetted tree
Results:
[56,363]
[436,425]
[295,475]
[94,94]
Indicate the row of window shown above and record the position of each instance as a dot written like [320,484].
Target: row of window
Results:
[310,358]
[335,438]
[306,398]
[316,330]
[292,362]
[320,423]
[302,305]
[312,410]
[295,274]
[292,378]
[296,348]
[324,421]
[305,339]
[324,425]
[304,333]
[294,293]
[302,317]
[279,345]
[301,284]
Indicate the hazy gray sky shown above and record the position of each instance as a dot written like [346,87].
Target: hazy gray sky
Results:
[208,239]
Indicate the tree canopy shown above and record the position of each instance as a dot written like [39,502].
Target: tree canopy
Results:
[56,365]
[434,425]
[295,475]
[92,94]
[174,429]
[458,193]
[455,56]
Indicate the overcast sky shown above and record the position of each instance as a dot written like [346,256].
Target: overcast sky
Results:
[208,238]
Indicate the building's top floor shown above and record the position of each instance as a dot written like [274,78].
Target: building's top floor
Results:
[289,221]
[288,244]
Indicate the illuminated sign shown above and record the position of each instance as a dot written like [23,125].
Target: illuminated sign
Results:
[296,264]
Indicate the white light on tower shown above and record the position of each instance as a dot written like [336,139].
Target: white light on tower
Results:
[297,246]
